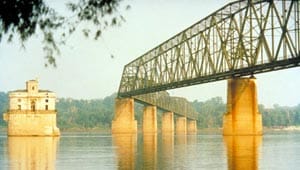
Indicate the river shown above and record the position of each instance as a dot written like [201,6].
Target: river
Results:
[89,151]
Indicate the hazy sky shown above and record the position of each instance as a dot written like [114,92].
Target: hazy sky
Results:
[86,70]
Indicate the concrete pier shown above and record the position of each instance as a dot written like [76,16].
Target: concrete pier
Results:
[242,117]
[124,121]
[181,125]
[167,122]
[149,119]
[192,127]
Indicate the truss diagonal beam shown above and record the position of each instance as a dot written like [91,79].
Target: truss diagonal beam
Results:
[162,100]
[242,38]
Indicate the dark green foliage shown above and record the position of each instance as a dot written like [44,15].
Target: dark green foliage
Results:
[21,16]
[281,116]
[3,106]
[24,18]
[210,112]
[85,114]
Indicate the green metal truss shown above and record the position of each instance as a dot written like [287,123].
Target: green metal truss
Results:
[162,100]
[242,38]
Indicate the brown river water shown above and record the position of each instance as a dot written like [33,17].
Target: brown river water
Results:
[71,151]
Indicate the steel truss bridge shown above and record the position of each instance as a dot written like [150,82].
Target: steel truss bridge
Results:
[242,38]
[162,100]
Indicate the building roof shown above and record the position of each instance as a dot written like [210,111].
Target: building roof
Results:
[20,90]
[24,90]
[46,91]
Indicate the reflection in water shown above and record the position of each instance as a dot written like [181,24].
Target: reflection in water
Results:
[192,139]
[126,150]
[32,152]
[181,139]
[242,151]
[149,151]
[180,151]
[167,151]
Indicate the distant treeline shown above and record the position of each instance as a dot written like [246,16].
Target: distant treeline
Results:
[212,110]
[98,113]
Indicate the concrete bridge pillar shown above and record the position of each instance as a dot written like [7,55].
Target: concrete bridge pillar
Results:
[181,125]
[167,122]
[242,117]
[192,126]
[149,119]
[124,121]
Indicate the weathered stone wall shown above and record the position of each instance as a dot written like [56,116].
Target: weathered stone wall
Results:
[32,124]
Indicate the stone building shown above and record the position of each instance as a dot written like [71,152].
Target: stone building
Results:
[31,112]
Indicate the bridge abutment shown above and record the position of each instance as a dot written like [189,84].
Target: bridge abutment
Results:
[167,122]
[124,121]
[242,117]
[149,119]
[181,125]
[192,126]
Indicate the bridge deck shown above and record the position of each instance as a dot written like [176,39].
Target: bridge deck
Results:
[163,101]
[242,38]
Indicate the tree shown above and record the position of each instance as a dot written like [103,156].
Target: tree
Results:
[3,106]
[210,112]
[24,18]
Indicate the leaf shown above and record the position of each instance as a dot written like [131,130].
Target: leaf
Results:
[114,21]
[98,34]
[86,32]
[128,7]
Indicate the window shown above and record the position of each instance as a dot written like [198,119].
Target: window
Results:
[32,106]
[46,107]
[32,87]
[19,100]
[19,107]
[46,100]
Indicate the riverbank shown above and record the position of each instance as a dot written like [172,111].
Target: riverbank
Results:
[201,131]
[204,131]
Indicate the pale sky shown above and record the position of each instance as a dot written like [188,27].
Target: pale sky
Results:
[86,70]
